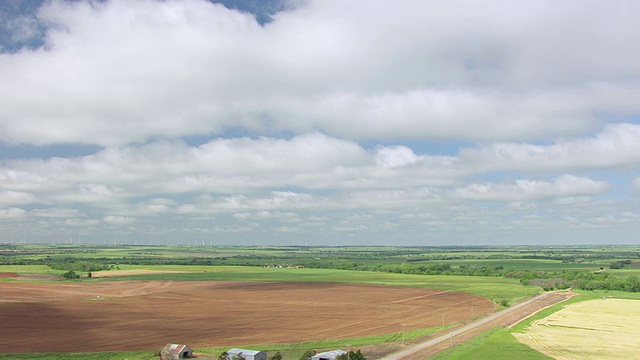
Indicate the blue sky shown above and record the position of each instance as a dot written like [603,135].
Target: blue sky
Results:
[322,122]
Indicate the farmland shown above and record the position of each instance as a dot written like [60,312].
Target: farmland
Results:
[137,315]
[594,329]
[139,297]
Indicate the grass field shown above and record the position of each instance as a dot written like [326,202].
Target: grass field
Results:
[594,329]
[498,344]
[29,269]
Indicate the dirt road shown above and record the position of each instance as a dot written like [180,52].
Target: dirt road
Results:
[506,317]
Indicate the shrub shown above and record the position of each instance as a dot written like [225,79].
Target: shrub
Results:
[70,275]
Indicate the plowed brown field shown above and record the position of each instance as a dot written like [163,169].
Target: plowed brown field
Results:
[141,315]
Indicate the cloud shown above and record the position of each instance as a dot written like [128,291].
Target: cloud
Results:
[16,198]
[118,220]
[526,190]
[222,166]
[453,121]
[457,70]
[616,146]
[243,173]
[12,213]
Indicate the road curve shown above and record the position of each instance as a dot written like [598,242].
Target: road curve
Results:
[450,336]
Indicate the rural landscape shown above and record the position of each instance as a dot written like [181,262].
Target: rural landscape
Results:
[127,301]
[319,179]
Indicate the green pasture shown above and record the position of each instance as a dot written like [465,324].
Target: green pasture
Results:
[30,269]
[496,344]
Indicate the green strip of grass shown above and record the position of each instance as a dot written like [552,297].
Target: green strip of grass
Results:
[295,350]
[30,269]
[133,355]
[496,344]
[289,351]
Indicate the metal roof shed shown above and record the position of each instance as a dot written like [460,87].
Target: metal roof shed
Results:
[328,355]
[175,352]
[247,354]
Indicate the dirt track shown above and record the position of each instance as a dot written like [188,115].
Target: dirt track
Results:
[140,315]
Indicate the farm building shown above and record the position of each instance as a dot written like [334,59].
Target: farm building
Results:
[247,354]
[329,355]
[175,352]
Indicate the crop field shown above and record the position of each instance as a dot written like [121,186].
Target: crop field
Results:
[137,315]
[593,329]
[494,288]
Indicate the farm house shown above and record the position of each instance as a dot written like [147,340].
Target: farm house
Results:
[247,354]
[328,355]
[175,352]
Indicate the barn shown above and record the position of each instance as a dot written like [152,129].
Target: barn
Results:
[175,352]
[328,355]
[247,354]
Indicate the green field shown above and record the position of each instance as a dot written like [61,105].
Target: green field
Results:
[497,344]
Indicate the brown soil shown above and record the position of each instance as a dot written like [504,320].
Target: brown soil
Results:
[7,275]
[116,273]
[141,315]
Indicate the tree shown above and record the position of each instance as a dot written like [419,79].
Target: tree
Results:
[276,356]
[358,355]
[352,355]
[307,355]
[70,275]
[239,357]
[632,284]
[224,356]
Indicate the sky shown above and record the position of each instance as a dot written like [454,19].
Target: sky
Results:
[320,122]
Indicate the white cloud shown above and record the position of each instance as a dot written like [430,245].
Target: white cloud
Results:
[12,213]
[364,119]
[617,145]
[360,70]
[396,156]
[56,213]
[118,220]
[526,190]
[16,198]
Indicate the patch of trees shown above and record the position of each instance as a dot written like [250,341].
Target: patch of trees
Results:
[619,264]
[548,280]
[352,355]
[307,355]
[75,265]
[70,275]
